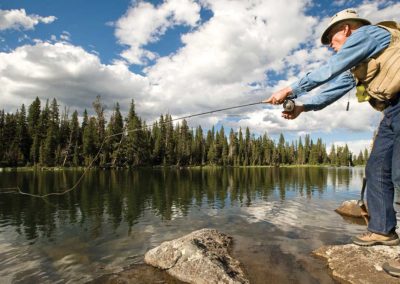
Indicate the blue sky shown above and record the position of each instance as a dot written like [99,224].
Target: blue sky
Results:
[180,57]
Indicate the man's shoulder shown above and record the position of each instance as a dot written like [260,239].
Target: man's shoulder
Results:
[371,28]
[368,31]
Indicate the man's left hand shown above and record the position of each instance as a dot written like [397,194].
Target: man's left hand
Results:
[298,109]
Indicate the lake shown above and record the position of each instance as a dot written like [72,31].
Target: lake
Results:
[276,216]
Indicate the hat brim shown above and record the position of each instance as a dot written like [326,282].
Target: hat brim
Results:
[324,38]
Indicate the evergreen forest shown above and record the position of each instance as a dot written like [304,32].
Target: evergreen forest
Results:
[42,136]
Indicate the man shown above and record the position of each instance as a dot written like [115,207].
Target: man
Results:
[368,57]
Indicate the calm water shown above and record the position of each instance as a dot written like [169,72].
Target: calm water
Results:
[276,217]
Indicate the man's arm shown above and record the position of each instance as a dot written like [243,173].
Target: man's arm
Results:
[338,88]
[362,44]
[334,91]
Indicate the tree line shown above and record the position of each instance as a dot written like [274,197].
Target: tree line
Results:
[42,136]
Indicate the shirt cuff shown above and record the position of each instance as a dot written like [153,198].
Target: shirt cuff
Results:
[296,90]
[308,107]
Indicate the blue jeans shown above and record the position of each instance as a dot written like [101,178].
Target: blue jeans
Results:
[383,172]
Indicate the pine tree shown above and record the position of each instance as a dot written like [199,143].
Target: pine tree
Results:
[281,150]
[332,155]
[233,148]
[49,146]
[2,139]
[115,133]
[24,140]
[85,120]
[307,148]
[170,141]
[90,140]
[210,146]
[247,148]
[34,116]
[65,146]
[99,108]
[241,150]
[301,154]
[198,147]
[184,141]
[267,146]
[136,148]
[12,152]
[75,140]
[225,148]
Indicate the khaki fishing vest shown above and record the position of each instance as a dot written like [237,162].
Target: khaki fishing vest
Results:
[378,77]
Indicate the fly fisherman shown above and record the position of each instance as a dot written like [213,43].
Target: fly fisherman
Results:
[368,57]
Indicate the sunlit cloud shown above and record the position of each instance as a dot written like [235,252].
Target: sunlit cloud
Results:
[19,20]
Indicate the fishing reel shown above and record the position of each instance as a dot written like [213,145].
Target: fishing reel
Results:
[288,105]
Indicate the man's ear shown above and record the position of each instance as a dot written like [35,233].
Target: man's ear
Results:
[347,30]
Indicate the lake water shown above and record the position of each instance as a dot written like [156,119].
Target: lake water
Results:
[276,216]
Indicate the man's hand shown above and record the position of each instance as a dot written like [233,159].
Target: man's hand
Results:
[278,97]
[298,109]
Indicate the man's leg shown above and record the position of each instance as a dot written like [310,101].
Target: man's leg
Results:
[380,189]
[392,267]
[396,150]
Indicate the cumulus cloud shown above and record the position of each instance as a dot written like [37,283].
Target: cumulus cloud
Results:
[65,72]
[19,20]
[145,23]
[220,59]
[231,59]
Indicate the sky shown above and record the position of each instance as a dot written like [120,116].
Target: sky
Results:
[181,57]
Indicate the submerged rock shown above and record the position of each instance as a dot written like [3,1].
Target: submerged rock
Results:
[354,264]
[199,257]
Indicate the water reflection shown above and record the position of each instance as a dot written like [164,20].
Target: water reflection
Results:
[122,196]
[114,217]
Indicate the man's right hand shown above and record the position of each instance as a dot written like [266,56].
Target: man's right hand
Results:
[278,97]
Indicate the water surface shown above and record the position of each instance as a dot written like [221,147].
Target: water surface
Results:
[276,217]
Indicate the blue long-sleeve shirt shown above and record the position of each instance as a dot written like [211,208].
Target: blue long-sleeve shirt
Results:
[362,44]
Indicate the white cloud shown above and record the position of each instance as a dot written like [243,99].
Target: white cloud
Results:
[234,48]
[68,73]
[145,23]
[65,36]
[221,63]
[391,11]
[19,20]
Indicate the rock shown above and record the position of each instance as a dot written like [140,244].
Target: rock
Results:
[199,257]
[354,264]
[349,208]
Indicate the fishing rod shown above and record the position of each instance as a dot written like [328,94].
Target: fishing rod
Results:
[288,106]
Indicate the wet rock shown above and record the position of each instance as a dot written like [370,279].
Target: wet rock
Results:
[349,208]
[354,264]
[199,257]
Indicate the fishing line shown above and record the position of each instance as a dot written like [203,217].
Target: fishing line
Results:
[17,190]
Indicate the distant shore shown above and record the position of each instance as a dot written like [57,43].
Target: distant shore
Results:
[80,168]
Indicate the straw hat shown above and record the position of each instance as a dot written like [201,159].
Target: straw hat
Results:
[348,14]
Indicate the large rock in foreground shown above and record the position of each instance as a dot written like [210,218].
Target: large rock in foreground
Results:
[355,264]
[200,257]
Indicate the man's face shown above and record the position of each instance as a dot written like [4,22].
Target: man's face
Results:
[338,36]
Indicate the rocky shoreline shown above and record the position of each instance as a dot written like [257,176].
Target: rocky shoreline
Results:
[203,256]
